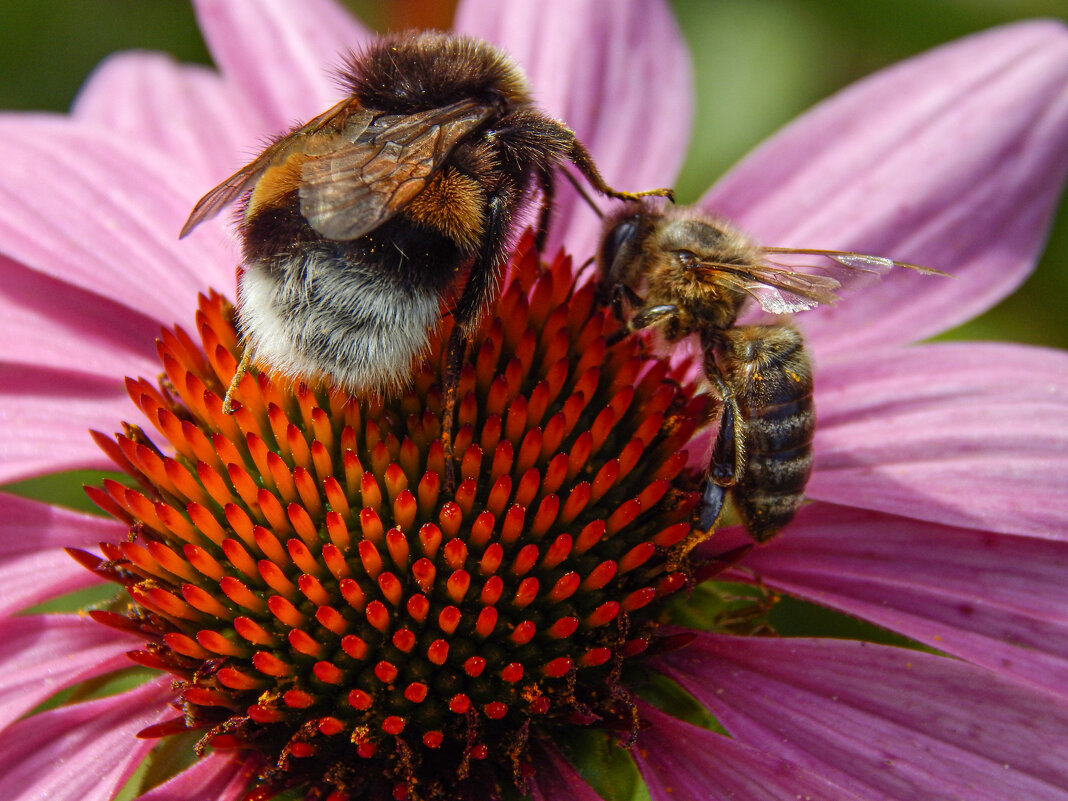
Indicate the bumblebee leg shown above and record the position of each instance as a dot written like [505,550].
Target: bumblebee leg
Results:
[582,159]
[239,373]
[455,351]
[482,285]
[547,185]
[484,279]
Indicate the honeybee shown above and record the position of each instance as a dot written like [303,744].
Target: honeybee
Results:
[360,227]
[688,273]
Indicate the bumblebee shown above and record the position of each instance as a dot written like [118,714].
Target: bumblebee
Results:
[362,227]
[686,273]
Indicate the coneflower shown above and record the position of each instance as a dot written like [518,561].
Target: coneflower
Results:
[331,613]
[310,612]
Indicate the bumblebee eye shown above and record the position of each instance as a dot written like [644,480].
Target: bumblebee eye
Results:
[615,240]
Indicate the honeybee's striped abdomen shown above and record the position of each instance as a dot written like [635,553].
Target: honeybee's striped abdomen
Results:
[770,374]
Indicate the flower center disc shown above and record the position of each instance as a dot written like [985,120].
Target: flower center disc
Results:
[326,608]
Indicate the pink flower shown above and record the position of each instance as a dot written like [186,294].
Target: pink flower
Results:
[941,470]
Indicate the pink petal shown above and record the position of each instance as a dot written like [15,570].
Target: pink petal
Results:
[38,577]
[33,565]
[280,55]
[588,62]
[555,779]
[216,777]
[51,323]
[28,527]
[43,654]
[105,217]
[83,752]
[45,417]
[681,762]
[996,600]
[954,159]
[185,110]
[972,435]
[874,719]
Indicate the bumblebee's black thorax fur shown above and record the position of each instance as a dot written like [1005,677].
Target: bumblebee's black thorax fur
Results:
[405,74]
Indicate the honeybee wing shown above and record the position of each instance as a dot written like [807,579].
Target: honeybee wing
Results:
[782,290]
[358,185]
[241,181]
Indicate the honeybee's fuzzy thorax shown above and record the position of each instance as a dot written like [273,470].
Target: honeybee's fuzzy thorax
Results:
[703,301]
[412,72]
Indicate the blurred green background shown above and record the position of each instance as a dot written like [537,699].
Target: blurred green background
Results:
[759,63]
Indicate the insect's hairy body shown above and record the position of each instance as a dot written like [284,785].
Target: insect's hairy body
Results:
[358,310]
[770,378]
[402,198]
[673,269]
[362,309]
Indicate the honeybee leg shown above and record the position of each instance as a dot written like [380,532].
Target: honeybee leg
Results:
[651,315]
[728,452]
[706,524]
[645,317]
[581,271]
[582,159]
[711,506]
[622,297]
[239,373]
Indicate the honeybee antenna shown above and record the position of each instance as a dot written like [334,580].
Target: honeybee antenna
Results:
[590,262]
[582,193]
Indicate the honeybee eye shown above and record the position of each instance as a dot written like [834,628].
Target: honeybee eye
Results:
[687,258]
[619,236]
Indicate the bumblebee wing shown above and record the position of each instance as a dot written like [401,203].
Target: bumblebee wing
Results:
[350,191]
[241,181]
[222,196]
